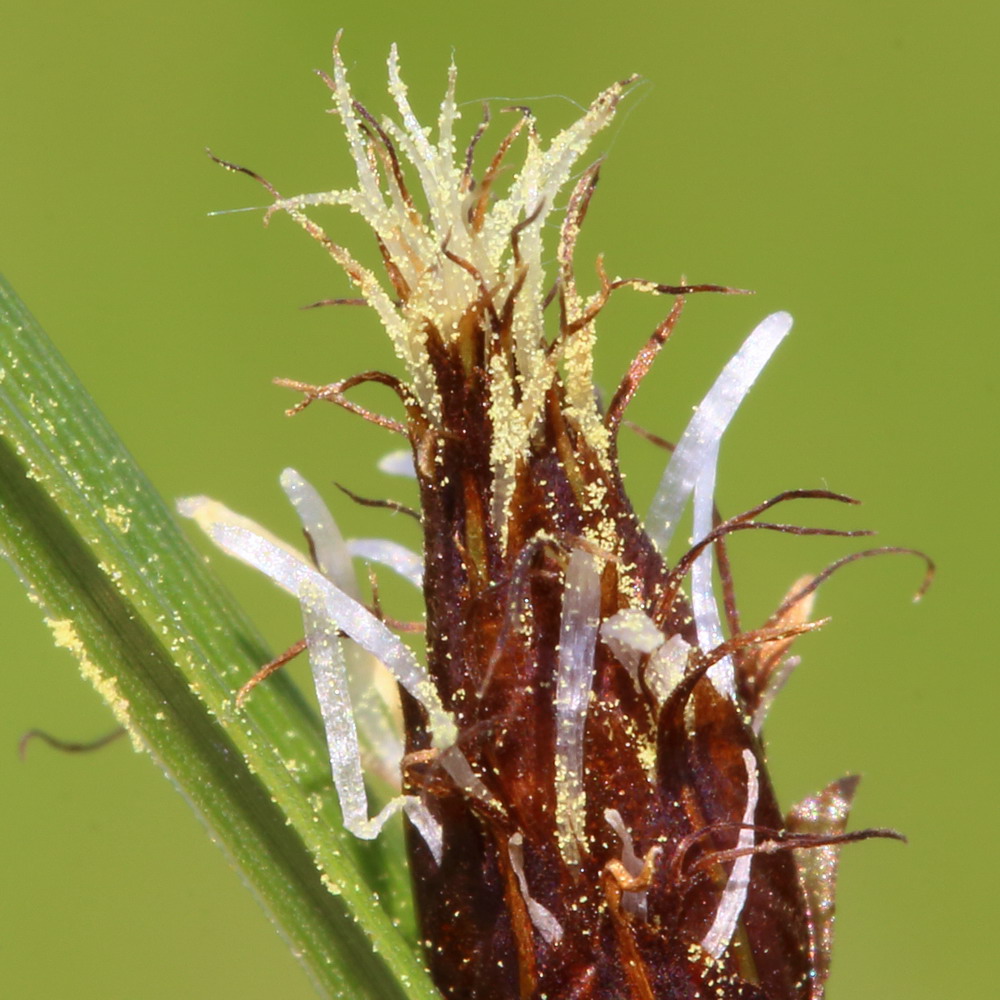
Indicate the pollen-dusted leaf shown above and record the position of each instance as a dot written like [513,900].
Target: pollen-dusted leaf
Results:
[162,641]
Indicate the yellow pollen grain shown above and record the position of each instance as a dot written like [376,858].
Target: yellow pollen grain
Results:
[118,517]
[65,636]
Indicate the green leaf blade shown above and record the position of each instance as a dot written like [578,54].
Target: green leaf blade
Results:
[128,596]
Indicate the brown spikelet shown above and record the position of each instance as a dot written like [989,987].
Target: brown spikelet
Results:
[591,811]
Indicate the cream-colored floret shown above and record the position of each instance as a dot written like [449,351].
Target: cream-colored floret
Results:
[448,257]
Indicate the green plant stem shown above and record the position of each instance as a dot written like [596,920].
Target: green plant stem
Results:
[122,589]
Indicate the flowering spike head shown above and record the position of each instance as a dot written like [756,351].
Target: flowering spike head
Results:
[591,813]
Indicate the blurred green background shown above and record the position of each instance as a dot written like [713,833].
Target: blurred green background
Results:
[841,159]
